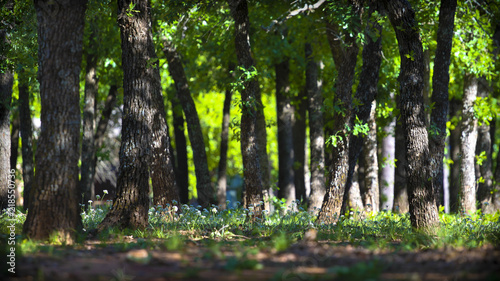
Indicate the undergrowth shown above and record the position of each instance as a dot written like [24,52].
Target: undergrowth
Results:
[287,224]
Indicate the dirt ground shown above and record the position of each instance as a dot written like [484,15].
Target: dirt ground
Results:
[304,260]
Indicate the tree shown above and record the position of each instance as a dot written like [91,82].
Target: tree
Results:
[299,104]
[26,137]
[455,112]
[203,181]
[224,136]
[143,106]
[401,204]
[365,95]
[484,154]
[316,134]
[440,96]
[468,139]
[181,173]
[344,55]
[423,210]
[285,112]
[250,106]
[370,193]
[54,203]
[87,171]
[6,82]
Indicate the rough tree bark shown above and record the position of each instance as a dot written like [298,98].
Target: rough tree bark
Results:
[143,106]
[285,115]
[250,106]
[26,138]
[440,81]
[54,204]
[344,55]
[6,82]
[468,140]
[423,210]
[370,191]
[203,181]
[316,134]
[366,93]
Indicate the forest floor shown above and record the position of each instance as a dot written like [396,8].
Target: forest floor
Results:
[242,258]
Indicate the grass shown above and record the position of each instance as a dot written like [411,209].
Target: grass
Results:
[287,225]
[233,236]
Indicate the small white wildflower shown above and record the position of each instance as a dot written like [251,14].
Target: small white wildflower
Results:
[175,208]
[105,191]
[98,197]
[90,201]
[214,210]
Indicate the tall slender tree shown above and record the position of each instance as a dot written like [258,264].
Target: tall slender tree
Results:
[344,54]
[440,96]
[365,95]
[285,112]
[468,139]
[224,142]
[6,82]
[316,133]
[423,210]
[26,137]
[203,181]
[54,207]
[181,168]
[250,107]
[87,170]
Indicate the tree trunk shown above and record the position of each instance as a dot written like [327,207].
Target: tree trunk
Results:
[54,206]
[401,204]
[250,98]
[140,83]
[299,145]
[285,115]
[316,134]
[87,170]
[423,210]
[165,189]
[484,143]
[224,142]
[6,82]
[440,81]
[370,193]
[387,174]
[344,55]
[102,126]
[182,173]
[468,140]
[26,137]
[455,108]
[14,135]
[366,93]
[203,181]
